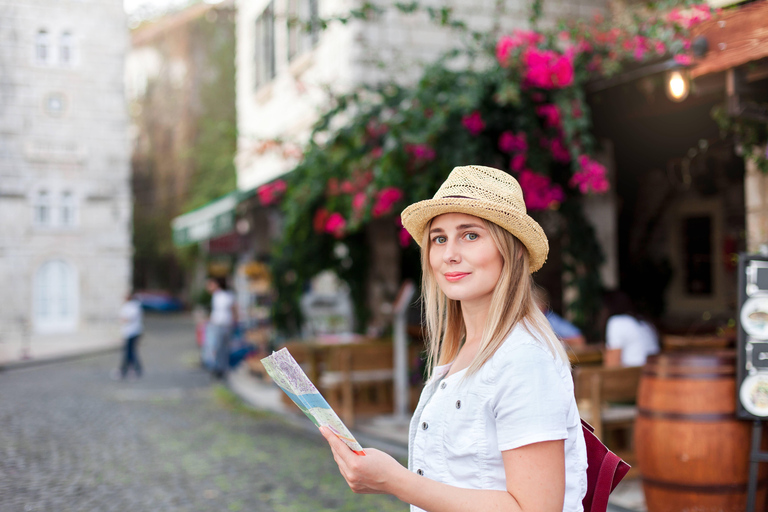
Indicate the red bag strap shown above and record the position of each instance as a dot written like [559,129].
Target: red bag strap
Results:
[604,482]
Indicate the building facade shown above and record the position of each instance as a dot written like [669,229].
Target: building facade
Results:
[65,204]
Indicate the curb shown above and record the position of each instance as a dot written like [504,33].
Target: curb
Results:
[30,363]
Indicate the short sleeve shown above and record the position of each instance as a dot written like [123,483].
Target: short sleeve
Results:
[531,401]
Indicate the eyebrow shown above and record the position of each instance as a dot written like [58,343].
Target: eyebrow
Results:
[458,228]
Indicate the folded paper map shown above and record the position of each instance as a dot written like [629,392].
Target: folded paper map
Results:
[287,374]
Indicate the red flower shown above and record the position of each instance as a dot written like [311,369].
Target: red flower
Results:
[377,152]
[551,115]
[358,202]
[590,177]
[321,217]
[271,192]
[422,152]
[559,151]
[507,44]
[404,237]
[547,69]
[683,59]
[538,191]
[347,187]
[518,162]
[335,225]
[473,122]
[385,199]
[510,142]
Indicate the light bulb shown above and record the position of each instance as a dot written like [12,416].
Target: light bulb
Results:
[678,86]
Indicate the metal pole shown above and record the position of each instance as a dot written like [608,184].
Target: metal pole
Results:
[754,461]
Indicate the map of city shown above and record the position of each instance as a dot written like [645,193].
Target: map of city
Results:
[289,376]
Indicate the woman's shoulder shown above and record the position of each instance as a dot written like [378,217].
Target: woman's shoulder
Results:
[521,349]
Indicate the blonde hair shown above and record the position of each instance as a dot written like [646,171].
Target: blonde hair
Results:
[512,302]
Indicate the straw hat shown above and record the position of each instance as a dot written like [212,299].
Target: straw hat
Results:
[487,193]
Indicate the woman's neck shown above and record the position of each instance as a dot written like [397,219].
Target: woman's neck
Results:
[474,315]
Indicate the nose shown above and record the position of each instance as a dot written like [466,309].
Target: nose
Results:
[451,252]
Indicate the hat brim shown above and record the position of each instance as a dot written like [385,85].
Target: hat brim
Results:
[416,217]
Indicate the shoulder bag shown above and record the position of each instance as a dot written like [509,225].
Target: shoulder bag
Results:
[604,471]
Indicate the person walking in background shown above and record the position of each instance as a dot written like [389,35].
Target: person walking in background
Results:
[221,322]
[496,427]
[131,318]
[629,337]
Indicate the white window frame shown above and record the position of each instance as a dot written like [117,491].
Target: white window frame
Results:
[66,48]
[68,210]
[264,57]
[301,40]
[56,297]
[42,209]
[42,46]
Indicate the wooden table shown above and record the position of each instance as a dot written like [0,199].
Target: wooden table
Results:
[588,355]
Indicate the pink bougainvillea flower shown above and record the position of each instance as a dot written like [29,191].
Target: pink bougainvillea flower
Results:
[539,192]
[509,43]
[385,200]
[473,123]
[683,59]
[422,152]
[321,217]
[660,47]
[377,152]
[559,152]
[576,112]
[347,187]
[335,225]
[359,201]
[405,237]
[591,176]
[551,115]
[547,69]
[271,192]
[375,129]
[518,162]
[538,97]
[333,187]
[511,143]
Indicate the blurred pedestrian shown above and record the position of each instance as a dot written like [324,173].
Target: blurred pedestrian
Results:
[629,337]
[563,329]
[497,426]
[131,318]
[221,323]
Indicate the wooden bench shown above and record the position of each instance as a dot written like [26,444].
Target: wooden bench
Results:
[606,398]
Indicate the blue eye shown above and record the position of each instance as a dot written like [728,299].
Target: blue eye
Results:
[472,236]
[439,239]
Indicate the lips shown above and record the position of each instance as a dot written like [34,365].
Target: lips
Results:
[455,276]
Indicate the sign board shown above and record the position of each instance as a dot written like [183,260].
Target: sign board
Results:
[212,220]
[752,360]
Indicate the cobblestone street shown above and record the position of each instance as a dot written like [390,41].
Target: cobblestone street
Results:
[72,439]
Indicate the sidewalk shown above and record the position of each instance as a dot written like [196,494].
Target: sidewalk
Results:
[387,433]
[39,349]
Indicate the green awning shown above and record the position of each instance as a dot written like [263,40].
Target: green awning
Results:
[210,221]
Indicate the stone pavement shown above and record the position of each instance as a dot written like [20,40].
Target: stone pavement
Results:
[16,350]
[73,440]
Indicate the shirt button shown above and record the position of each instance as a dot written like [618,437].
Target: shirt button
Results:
[424,425]
[420,472]
[442,386]
[458,404]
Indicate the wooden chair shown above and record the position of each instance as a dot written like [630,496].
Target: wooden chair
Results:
[357,379]
[604,396]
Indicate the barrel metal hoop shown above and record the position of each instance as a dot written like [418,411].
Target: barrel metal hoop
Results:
[679,416]
[703,489]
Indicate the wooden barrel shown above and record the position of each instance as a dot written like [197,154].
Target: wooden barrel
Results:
[692,452]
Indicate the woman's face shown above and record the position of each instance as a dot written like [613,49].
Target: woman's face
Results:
[464,258]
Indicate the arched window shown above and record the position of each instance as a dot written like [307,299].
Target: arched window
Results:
[68,209]
[55,297]
[42,208]
[42,44]
[66,48]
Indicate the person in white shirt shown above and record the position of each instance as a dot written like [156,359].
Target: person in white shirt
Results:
[222,322]
[496,427]
[132,327]
[627,333]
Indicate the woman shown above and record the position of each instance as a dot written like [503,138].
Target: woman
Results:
[222,321]
[496,427]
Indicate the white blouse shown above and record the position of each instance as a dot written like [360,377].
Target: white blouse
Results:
[521,396]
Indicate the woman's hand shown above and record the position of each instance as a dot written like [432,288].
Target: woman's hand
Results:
[372,473]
